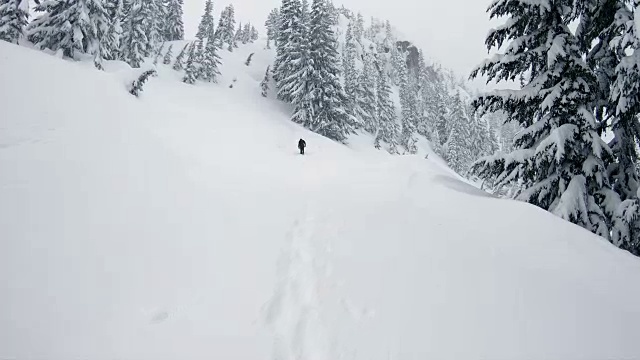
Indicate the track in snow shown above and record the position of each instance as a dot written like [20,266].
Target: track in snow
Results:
[295,311]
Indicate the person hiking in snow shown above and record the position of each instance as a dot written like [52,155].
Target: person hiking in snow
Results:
[301,145]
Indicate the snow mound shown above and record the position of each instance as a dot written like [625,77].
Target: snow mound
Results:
[183,224]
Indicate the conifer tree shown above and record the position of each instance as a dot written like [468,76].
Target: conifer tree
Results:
[158,53]
[246,33]
[407,105]
[134,41]
[624,111]
[254,34]
[178,65]
[560,159]
[226,28]
[350,73]
[290,49]
[174,25]
[168,56]
[358,29]
[210,60]
[152,11]
[249,58]
[239,34]
[272,25]
[366,93]
[135,88]
[192,66]
[624,107]
[324,101]
[73,27]
[206,22]
[458,145]
[13,19]
[264,85]
[112,38]
[388,130]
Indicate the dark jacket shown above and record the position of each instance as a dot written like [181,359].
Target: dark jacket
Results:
[301,144]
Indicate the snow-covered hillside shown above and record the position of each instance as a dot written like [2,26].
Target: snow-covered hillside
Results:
[183,224]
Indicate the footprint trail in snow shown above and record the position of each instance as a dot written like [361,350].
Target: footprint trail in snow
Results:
[295,311]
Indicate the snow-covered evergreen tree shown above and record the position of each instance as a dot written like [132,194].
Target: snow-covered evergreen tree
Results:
[174,25]
[239,34]
[192,67]
[75,27]
[135,88]
[319,105]
[264,85]
[290,49]
[153,13]
[178,65]
[458,145]
[367,93]
[350,73]
[246,33]
[14,16]
[388,130]
[358,29]
[560,159]
[112,38]
[625,105]
[168,56]
[134,41]
[226,31]
[626,226]
[206,22]
[272,25]
[407,105]
[209,60]
[253,35]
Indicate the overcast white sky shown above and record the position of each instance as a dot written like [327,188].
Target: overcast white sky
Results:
[450,32]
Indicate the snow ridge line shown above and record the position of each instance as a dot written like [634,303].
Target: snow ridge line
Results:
[294,312]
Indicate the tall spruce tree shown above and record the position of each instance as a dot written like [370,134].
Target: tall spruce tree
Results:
[358,29]
[324,103]
[387,126]
[134,41]
[625,112]
[254,34]
[112,38]
[625,104]
[14,16]
[559,157]
[238,35]
[206,22]
[153,13]
[407,106]
[367,93]
[210,60]
[75,27]
[272,25]
[174,25]
[192,67]
[350,73]
[458,146]
[226,30]
[246,33]
[290,49]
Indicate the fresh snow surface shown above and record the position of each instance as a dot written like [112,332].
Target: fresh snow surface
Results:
[184,225]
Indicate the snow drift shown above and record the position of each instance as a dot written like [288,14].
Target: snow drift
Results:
[184,225]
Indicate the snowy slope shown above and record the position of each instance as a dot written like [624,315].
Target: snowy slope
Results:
[184,225]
